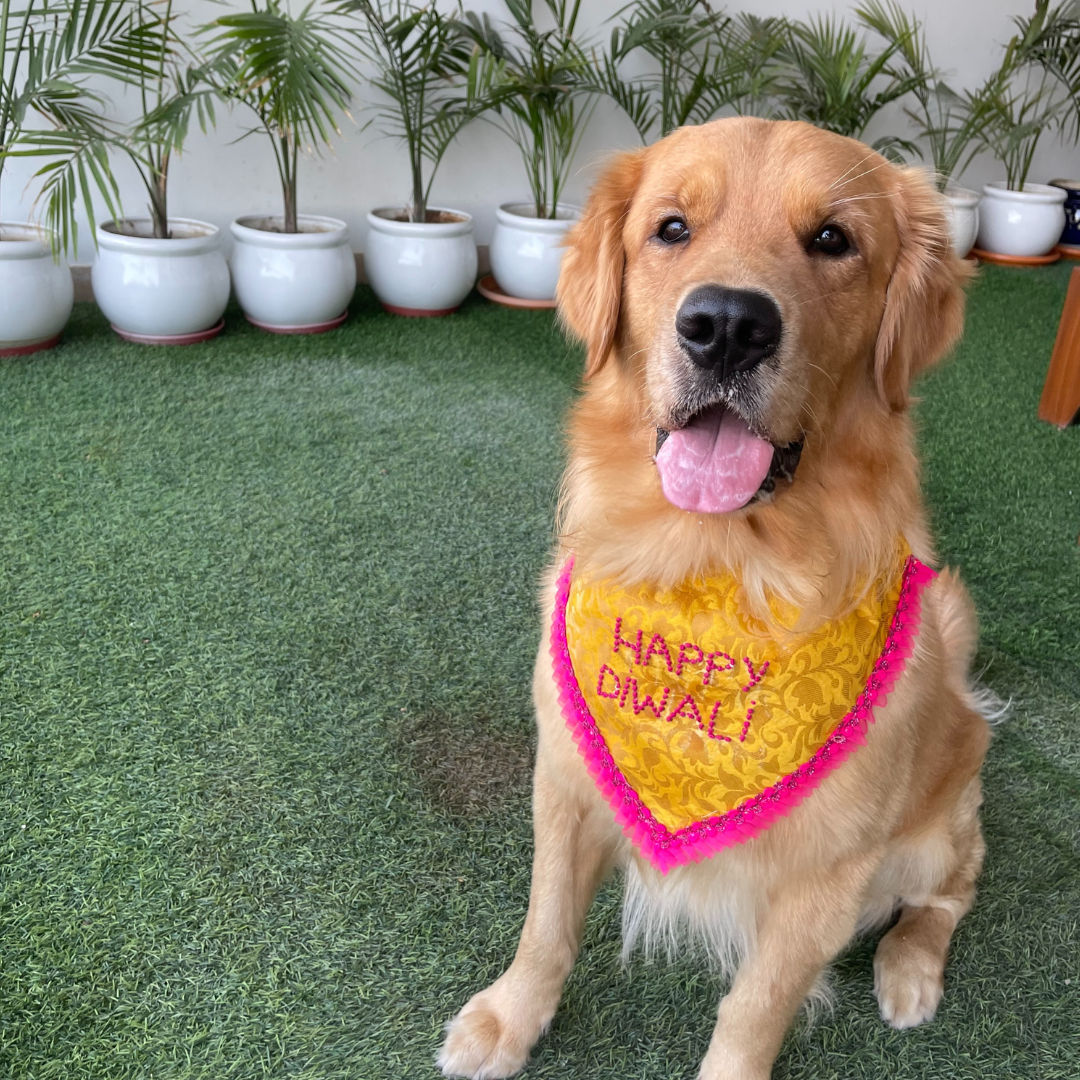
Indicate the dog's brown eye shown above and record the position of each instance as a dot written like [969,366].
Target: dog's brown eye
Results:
[830,240]
[673,230]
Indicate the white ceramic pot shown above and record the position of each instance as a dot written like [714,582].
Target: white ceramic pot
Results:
[527,251]
[1024,223]
[293,283]
[161,291]
[36,291]
[962,210]
[420,268]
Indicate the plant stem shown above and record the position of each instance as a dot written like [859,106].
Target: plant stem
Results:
[288,181]
[418,210]
[291,223]
[9,127]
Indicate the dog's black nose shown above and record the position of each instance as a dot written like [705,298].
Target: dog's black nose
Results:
[728,330]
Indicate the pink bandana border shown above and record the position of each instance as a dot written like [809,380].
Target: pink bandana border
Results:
[665,848]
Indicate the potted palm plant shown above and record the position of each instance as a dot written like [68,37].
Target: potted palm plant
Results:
[701,62]
[48,49]
[158,279]
[832,77]
[420,259]
[538,88]
[947,122]
[293,273]
[1020,221]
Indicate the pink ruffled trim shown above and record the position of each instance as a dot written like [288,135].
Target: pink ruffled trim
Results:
[665,848]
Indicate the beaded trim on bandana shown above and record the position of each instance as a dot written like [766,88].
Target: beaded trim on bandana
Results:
[666,847]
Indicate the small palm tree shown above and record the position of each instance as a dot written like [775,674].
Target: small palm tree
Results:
[167,77]
[682,39]
[49,49]
[422,59]
[536,83]
[835,80]
[1034,89]
[1053,42]
[705,61]
[947,121]
[291,71]
[752,49]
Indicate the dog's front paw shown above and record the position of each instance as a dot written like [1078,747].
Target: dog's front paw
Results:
[481,1045]
[908,982]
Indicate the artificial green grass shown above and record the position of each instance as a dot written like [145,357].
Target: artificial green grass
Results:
[267,621]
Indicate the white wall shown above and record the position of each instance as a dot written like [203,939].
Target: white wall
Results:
[218,179]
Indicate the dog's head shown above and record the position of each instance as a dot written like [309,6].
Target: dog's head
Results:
[760,286]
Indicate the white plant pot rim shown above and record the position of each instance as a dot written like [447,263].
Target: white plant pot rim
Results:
[962,198]
[28,241]
[382,219]
[326,232]
[523,215]
[190,237]
[1031,193]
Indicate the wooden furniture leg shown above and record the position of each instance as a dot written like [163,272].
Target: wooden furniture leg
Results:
[1060,401]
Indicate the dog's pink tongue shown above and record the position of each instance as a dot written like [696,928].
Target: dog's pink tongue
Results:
[714,464]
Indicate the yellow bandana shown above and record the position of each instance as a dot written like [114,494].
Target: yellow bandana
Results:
[699,726]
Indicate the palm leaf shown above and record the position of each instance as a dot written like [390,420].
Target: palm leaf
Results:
[78,170]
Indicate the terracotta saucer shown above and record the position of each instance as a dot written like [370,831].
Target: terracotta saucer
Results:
[1016,260]
[1069,251]
[488,287]
[27,350]
[171,339]
[308,328]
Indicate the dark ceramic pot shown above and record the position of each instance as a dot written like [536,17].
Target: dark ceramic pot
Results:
[1070,236]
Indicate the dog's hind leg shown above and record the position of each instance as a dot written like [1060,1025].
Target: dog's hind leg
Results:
[575,844]
[909,965]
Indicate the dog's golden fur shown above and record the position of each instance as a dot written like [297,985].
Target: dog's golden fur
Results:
[895,827]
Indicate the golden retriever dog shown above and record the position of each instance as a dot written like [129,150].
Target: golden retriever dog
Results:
[755,299]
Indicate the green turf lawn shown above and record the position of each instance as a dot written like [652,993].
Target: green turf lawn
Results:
[266,631]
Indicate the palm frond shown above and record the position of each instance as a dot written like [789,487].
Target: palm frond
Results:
[835,79]
[77,169]
[425,68]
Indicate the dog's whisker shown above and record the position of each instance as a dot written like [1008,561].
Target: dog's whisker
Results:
[851,169]
[818,298]
[845,199]
[828,374]
[859,176]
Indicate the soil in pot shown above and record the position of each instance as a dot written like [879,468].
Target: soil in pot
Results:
[431,217]
[143,229]
[274,225]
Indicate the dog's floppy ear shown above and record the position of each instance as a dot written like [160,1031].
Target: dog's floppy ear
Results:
[924,304]
[591,279]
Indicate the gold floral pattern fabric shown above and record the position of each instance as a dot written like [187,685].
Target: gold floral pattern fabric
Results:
[699,709]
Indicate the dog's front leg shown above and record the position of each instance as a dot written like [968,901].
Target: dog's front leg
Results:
[806,923]
[575,841]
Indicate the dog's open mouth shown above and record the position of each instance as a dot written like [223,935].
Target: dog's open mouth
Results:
[716,464]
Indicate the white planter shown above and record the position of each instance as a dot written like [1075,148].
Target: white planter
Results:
[420,268]
[962,210]
[1020,223]
[161,291]
[527,251]
[293,283]
[36,291]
